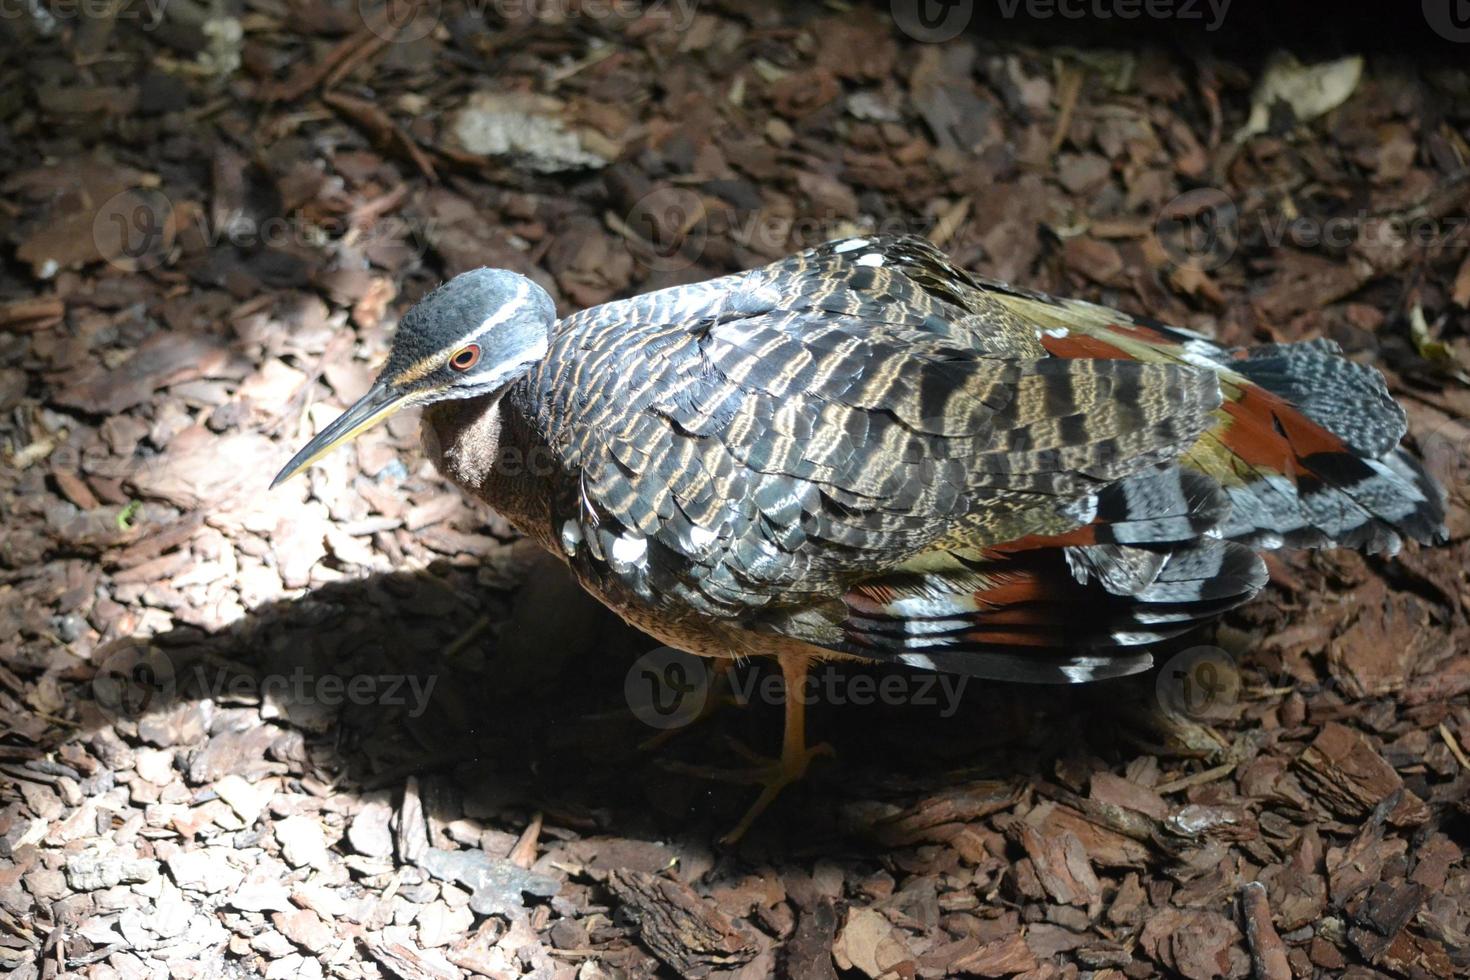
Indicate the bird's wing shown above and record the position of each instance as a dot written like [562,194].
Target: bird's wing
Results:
[1302,451]
[760,446]
[1070,607]
[1305,442]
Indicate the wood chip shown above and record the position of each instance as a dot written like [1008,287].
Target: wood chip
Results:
[1268,952]
[1352,778]
[688,934]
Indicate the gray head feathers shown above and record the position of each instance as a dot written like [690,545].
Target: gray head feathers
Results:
[475,333]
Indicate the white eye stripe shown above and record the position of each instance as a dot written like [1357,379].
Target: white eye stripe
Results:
[440,358]
[495,319]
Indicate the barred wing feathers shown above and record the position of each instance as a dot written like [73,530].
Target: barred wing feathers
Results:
[868,450]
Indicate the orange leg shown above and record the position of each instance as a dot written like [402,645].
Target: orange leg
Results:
[775,775]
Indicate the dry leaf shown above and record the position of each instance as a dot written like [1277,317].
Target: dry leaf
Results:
[1310,90]
[869,943]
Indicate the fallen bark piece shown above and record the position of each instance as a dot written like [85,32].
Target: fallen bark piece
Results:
[941,816]
[1359,866]
[1268,952]
[31,314]
[409,963]
[1383,914]
[164,359]
[1378,653]
[870,944]
[1109,788]
[1063,868]
[1352,778]
[808,954]
[97,869]
[497,886]
[1300,896]
[1200,945]
[689,934]
[200,467]
[1104,847]
[1000,958]
[1413,955]
[1208,947]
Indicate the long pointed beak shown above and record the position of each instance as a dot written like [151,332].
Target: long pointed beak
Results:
[380,402]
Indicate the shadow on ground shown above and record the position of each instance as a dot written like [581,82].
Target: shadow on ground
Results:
[361,684]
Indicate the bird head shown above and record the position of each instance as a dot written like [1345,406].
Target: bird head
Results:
[472,336]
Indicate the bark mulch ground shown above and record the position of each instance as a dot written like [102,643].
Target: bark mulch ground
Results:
[352,728]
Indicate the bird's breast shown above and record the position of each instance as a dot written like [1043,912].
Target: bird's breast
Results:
[488,450]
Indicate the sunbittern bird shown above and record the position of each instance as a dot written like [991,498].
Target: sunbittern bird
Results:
[863,451]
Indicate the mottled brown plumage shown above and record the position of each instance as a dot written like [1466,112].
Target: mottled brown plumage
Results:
[862,451]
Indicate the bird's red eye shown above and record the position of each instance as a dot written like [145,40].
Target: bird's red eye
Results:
[465,358]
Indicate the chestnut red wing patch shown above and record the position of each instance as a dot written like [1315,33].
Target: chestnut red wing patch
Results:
[1075,345]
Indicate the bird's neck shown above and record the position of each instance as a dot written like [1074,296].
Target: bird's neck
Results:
[487,446]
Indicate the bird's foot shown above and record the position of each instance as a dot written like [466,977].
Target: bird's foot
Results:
[772,775]
[777,776]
